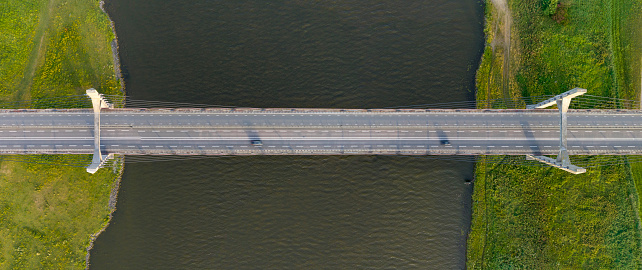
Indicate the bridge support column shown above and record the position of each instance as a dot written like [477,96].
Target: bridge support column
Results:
[562,101]
[98,102]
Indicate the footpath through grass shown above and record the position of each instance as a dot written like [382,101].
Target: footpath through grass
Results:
[48,213]
[527,217]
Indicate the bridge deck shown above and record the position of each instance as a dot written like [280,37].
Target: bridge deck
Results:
[316,131]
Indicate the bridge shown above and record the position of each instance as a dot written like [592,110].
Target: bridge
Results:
[533,132]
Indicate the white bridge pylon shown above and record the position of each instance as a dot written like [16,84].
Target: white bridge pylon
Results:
[562,101]
[98,102]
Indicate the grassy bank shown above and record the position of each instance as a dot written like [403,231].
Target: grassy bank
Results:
[544,218]
[51,48]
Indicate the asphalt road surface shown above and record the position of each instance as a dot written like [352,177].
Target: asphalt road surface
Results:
[320,131]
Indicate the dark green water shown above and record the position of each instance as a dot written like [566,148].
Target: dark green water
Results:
[285,212]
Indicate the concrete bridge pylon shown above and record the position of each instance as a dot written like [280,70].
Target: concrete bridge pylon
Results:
[98,102]
[562,101]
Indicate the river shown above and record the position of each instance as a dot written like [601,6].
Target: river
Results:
[294,212]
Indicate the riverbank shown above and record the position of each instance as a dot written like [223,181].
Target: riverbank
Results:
[544,218]
[49,214]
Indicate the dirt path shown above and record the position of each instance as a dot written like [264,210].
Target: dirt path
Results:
[502,9]
[23,90]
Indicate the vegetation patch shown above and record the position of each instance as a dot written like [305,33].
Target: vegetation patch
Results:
[49,213]
[530,217]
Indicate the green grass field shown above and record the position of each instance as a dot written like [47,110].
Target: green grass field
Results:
[51,48]
[527,217]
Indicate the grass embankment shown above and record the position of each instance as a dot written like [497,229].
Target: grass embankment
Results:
[51,48]
[529,217]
